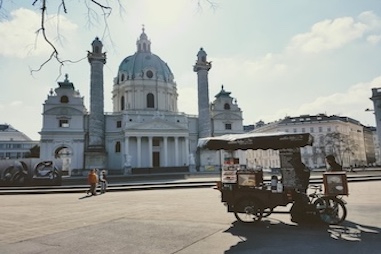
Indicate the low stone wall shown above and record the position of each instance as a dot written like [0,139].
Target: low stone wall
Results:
[159,170]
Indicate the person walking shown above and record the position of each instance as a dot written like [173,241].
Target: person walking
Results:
[92,179]
[333,165]
[103,180]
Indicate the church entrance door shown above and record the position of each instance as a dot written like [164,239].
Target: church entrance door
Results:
[156,159]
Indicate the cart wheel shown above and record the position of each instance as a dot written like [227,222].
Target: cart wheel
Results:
[331,210]
[248,210]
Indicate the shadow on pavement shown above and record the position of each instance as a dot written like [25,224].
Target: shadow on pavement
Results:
[274,236]
[86,196]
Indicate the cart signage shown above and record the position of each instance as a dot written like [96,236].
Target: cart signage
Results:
[229,173]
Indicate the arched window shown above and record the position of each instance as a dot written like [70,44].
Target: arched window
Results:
[144,47]
[122,103]
[96,49]
[64,99]
[150,100]
[117,147]
[122,77]
[203,59]
[61,152]
[227,106]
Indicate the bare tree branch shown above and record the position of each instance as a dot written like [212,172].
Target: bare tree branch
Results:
[42,30]
[106,11]
[212,4]
[103,7]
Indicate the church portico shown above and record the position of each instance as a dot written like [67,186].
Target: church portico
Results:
[155,151]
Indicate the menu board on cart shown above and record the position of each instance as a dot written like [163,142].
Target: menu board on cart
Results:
[229,173]
[288,172]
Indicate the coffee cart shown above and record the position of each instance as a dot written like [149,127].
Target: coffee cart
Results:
[250,198]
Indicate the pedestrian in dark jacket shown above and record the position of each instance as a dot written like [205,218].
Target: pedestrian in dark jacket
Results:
[333,165]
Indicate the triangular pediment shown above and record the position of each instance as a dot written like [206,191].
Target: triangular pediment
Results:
[227,116]
[157,124]
[64,111]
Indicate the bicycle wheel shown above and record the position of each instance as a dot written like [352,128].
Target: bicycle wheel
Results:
[267,212]
[248,210]
[331,210]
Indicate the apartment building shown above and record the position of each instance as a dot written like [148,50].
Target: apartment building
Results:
[352,143]
[13,143]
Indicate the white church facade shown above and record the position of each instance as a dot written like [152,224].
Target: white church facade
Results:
[145,133]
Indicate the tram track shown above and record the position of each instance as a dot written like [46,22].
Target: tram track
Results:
[136,186]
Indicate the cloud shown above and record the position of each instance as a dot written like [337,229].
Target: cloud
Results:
[335,33]
[293,78]
[16,103]
[374,39]
[349,103]
[20,31]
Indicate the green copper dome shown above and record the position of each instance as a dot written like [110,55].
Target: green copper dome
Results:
[145,65]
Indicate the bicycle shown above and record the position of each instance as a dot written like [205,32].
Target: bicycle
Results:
[330,209]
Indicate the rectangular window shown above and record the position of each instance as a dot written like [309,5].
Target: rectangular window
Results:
[295,130]
[312,129]
[64,123]
[320,129]
[228,126]
[118,124]
[303,130]
[155,142]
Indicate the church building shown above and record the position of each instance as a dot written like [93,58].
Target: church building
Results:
[145,133]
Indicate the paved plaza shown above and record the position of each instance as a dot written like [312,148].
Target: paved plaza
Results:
[176,221]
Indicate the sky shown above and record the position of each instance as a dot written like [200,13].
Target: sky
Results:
[277,58]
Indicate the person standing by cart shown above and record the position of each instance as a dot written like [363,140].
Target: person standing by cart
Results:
[302,179]
[333,165]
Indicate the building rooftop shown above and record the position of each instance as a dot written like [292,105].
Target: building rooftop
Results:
[8,133]
[317,118]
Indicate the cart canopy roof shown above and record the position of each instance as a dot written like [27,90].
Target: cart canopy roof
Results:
[274,140]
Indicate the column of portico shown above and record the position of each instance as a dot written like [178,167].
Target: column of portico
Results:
[186,151]
[176,151]
[165,141]
[126,145]
[150,152]
[139,151]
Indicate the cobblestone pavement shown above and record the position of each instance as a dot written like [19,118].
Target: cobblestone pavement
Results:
[175,221]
